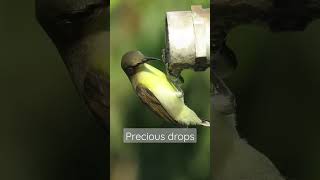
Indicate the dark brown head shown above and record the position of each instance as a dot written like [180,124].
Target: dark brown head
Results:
[132,59]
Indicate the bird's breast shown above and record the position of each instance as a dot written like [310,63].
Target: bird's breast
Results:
[161,87]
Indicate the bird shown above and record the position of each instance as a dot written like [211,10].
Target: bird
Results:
[80,32]
[158,92]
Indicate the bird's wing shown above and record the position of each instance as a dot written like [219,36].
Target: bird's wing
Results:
[148,98]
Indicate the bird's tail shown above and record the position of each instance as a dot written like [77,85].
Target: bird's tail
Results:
[205,123]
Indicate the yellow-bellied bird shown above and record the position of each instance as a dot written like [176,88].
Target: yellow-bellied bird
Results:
[157,91]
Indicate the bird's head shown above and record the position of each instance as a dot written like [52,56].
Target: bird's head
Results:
[132,59]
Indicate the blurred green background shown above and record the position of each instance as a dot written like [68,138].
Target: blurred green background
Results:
[140,25]
[46,131]
[277,86]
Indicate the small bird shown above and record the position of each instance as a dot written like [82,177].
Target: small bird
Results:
[157,91]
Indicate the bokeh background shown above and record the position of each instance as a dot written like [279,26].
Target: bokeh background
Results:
[140,25]
[46,131]
[277,86]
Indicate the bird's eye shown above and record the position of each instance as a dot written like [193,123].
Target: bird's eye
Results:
[130,70]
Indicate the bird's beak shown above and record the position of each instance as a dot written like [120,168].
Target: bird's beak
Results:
[146,59]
